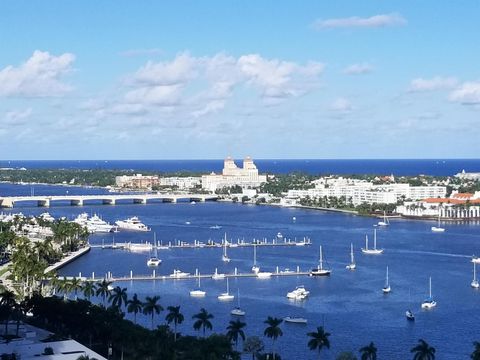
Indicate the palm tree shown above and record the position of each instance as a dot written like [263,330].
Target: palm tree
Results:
[7,302]
[273,330]
[118,298]
[85,357]
[134,305]
[65,286]
[369,352]
[476,353]
[75,285]
[423,351]
[151,307]
[253,345]
[176,317]
[203,320]
[235,330]
[103,289]
[318,340]
[88,289]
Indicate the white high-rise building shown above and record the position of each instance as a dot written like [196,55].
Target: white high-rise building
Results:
[246,176]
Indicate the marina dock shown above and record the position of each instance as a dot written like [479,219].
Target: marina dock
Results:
[187,276]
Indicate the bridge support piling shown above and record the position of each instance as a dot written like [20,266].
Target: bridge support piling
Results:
[43,203]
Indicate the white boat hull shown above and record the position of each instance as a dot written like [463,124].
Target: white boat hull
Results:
[474,284]
[387,289]
[429,305]
[225,297]
[295,320]
[319,272]
[264,275]
[237,312]
[437,229]
[197,293]
[351,267]
[372,251]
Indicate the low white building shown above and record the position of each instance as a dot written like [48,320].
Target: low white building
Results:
[245,177]
[181,182]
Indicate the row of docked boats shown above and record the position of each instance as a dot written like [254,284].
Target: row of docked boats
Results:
[95,224]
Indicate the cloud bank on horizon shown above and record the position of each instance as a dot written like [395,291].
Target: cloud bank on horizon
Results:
[370,85]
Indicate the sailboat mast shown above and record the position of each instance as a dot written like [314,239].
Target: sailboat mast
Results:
[474,272]
[375,238]
[366,242]
[254,255]
[351,254]
[228,290]
[321,258]
[387,276]
[430,287]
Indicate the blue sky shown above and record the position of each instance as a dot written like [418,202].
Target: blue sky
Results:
[270,79]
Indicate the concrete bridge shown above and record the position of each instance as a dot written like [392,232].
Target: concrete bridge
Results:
[80,200]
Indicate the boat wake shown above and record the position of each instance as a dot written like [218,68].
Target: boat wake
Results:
[430,253]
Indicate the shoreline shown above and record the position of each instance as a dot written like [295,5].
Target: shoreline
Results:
[68,259]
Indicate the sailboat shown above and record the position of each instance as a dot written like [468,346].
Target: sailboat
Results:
[226,295]
[238,310]
[225,257]
[474,282]
[352,265]
[386,289]
[385,221]
[438,228]
[429,303]
[320,271]
[409,313]
[373,251]
[198,292]
[154,260]
[255,268]
[217,276]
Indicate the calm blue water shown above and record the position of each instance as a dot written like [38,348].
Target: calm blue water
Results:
[350,304]
[439,167]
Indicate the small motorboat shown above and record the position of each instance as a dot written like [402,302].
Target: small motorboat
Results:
[409,315]
[295,320]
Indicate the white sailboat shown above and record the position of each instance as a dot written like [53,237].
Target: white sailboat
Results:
[386,289]
[295,320]
[320,271]
[475,259]
[429,303]
[225,257]
[373,251]
[217,276]
[198,292]
[409,313]
[474,284]
[238,310]
[255,267]
[154,261]
[438,228]
[352,265]
[226,296]
[385,221]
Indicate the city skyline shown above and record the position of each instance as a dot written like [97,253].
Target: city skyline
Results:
[205,80]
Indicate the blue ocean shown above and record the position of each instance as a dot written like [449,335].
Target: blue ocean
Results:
[438,167]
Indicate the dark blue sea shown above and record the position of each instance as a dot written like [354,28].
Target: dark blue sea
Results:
[350,304]
[438,167]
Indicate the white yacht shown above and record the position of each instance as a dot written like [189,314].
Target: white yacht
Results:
[409,315]
[387,288]
[438,228]
[264,275]
[139,247]
[226,296]
[47,217]
[429,303]
[237,311]
[385,221]
[178,274]
[96,224]
[279,235]
[320,270]
[300,293]
[352,265]
[373,251]
[295,320]
[132,223]
[198,292]
[215,227]
[474,284]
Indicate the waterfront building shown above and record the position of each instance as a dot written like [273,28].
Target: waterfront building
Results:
[246,177]
[181,183]
[137,181]
[468,175]
[361,191]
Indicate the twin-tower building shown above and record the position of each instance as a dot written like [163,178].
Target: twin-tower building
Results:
[232,175]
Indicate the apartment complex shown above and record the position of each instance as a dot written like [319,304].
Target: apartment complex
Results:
[182,183]
[137,181]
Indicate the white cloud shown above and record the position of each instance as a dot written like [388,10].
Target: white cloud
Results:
[341,105]
[211,107]
[375,21]
[40,76]
[167,95]
[17,117]
[435,83]
[467,93]
[178,71]
[358,69]
[279,79]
